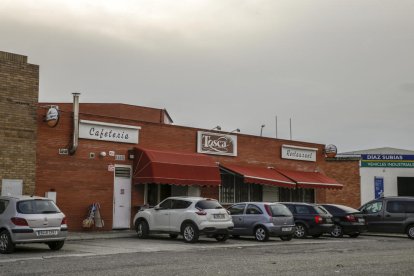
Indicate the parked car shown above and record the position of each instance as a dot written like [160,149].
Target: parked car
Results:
[188,216]
[310,219]
[347,220]
[262,220]
[26,219]
[393,214]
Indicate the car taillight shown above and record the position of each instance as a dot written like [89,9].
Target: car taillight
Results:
[19,221]
[350,218]
[268,210]
[201,212]
[64,221]
[318,219]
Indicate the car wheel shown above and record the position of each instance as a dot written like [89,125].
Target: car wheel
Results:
[286,238]
[337,231]
[142,229]
[56,245]
[355,235]
[261,234]
[221,238]
[173,236]
[410,231]
[190,233]
[6,244]
[300,231]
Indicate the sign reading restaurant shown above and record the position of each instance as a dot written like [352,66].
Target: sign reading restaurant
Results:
[387,160]
[108,132]
[216,143]
[299,153]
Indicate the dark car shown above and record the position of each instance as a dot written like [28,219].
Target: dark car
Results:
[390,215]
[347,220]
[261,220]
[310,219]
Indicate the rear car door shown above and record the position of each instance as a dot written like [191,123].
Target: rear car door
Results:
[177,212]
[237,215]
[252,216]
[394,216]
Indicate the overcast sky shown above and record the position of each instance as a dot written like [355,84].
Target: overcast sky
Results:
[342,70]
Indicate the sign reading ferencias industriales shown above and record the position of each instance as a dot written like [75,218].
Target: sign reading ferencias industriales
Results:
[387,160]
[299,153]
[216,143]
[108,132]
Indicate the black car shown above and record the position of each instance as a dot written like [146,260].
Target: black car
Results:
[310,219]
[394,214]
[347,220]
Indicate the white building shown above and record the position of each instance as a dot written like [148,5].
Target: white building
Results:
[384,171]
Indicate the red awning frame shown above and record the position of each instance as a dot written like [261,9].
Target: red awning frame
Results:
[311,180]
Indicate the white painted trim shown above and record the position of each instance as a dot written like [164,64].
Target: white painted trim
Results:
[108,124]
[298,147]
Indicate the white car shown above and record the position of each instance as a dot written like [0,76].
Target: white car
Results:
[188,216]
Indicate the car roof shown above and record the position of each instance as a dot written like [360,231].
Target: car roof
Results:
[22,197]
[300,203]
[399,197]
[257,203]
[191,198]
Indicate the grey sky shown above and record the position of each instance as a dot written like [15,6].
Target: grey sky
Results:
[342,70]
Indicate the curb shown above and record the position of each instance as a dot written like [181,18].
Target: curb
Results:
[76,236]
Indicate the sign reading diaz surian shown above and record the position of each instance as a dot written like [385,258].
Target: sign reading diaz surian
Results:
[387,160]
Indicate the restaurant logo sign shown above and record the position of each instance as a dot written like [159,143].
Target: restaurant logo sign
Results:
[216,143]
[387,161]
[108,132]
[299,153]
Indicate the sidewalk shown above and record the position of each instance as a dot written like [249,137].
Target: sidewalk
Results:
[91,235]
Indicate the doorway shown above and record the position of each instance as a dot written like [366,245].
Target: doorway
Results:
[122,197]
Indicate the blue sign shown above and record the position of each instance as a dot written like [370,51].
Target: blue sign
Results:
[386,157]
[379,187]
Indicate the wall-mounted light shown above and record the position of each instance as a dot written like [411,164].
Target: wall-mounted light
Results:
[216,128]
[102,154]
[261,129]
[235,130]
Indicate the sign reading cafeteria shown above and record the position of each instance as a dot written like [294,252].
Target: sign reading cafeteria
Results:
[387,160]
[216,143]
[299,153]
[108,132]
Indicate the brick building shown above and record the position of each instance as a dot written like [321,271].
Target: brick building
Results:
[128,156]
[19,89]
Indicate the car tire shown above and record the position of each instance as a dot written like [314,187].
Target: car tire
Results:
[173,236]
[142,229]
[410,231]
[337,231]
[190,233]
[55,245]
[6,244]
[286,238]
[261,234]
[221,237]
[355,235]
[301,232]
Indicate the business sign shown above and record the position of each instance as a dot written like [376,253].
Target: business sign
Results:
[299,153]
[387,161]
[216,143]
[108,132]
[379,187]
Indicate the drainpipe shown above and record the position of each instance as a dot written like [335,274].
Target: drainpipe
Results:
[72,150]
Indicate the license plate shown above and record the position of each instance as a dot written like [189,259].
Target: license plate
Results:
[286,229]
[219,216]
[361,220]
[328,220]
[47,233]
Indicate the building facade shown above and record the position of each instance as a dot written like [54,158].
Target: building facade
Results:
[19,90]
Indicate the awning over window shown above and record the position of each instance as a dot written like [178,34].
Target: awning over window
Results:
[168,167]
[311,179]
[260,175]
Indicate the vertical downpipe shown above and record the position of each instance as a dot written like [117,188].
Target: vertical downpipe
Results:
[75,137]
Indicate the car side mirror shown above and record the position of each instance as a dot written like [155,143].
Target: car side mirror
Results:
[156,208]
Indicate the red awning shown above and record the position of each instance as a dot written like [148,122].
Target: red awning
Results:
[261,175]
[167,167]
[311,179]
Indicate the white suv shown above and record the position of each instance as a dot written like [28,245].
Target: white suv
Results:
[188,216]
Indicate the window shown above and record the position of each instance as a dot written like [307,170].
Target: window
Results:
[208,204]
[3,205]
[409,206]
[303,209]
[37,206]
[395,207]
[279,210]
[180,204]
[237,209]
[253,210]
[373,207]
[297,195]
[166,204]
[233,189]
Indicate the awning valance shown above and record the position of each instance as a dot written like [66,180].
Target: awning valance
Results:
[311,179]
[260,175]
[178,168]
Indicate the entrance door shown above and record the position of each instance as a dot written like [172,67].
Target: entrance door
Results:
[122,197]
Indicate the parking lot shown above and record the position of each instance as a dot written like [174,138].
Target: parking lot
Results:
[126,255]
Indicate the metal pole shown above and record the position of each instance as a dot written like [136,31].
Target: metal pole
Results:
[276,127]
[290,124]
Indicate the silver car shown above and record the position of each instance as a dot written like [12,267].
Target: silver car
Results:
[26,219]
[262,220]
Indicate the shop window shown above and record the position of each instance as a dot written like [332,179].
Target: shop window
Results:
[234,190]
[296,195]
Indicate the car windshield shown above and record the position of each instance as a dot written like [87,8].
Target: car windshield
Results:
[208,204]
[279,210]
[37,206]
